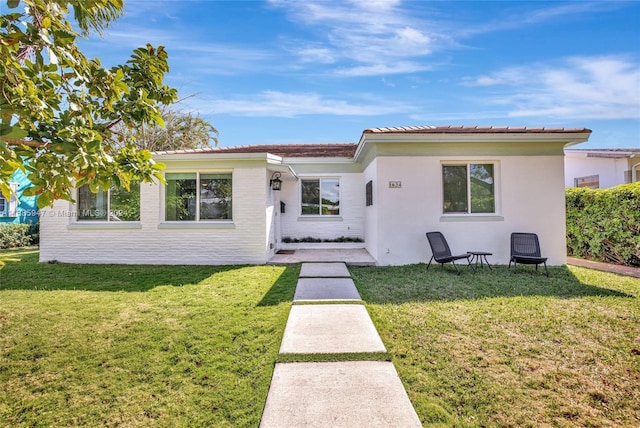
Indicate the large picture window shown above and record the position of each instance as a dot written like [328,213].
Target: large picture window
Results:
[198,196]
[468,188]
[320,196]
[116,204]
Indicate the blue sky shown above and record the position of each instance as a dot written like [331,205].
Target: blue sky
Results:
[291,71]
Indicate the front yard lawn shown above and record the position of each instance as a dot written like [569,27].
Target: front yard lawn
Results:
[102,345]
[496,349]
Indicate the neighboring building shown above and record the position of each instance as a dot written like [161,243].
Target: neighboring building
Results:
[19,208]
[477,185]
[601,168]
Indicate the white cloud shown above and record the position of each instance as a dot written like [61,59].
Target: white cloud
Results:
[364,37]
[281,104]
[401,67]
[315,54]
[576,88]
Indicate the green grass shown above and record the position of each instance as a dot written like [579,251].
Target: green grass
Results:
[110,345]
[496,349]
[103,345]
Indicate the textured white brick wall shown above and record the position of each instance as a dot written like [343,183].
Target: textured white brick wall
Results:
[349,223]
[152,244]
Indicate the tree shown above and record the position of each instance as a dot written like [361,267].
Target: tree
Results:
[180,131]
[59,109]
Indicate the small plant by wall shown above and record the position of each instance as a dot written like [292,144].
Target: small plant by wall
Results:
[307,239]
[604,224]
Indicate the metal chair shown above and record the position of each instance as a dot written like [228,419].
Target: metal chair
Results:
[525,249]
[442,253]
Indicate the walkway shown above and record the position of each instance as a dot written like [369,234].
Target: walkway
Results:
[328,319]
[606,267]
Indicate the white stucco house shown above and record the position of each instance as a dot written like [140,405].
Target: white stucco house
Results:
[601,168]
[477,185]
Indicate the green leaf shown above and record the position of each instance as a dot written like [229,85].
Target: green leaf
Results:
[12,132]
[12,4]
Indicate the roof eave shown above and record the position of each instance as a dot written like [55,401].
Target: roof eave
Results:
[218,156]
[567,138]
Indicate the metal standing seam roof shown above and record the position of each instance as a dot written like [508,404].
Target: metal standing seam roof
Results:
[348,150]
[473,130]
[616,153]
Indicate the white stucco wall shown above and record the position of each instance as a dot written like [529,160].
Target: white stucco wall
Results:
[350,222]
[529,198]
[611,172]
[151,241]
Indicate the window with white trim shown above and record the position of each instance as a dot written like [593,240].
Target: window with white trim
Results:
[115,205]
[198,196]
[468,188]
[320,196]
[9,208]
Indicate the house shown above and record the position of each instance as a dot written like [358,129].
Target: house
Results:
[19,208]
[601,168]
[219,206]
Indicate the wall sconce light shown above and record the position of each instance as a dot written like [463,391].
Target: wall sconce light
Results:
[276,183]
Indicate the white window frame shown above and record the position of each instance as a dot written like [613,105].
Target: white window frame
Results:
[497,201]
[100,220]
[197,220]
[320,215]
[10,208]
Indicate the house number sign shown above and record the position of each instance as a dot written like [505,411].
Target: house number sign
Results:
[395,184]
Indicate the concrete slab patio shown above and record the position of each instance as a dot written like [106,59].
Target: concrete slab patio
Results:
[338,394]
[317,289]
[330,329]
[350,256]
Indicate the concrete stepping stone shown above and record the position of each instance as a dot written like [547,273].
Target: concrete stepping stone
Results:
[318,289]
[338,394]
[330,329]
[324,270]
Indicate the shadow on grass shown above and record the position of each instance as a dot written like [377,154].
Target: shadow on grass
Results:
[413,283]
[283,289]
[22,271]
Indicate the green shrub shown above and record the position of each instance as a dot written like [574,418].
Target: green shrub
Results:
[14,235]
[604,224]
[34,233]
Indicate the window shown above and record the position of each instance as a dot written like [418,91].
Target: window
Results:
[198,196]
[321,196]
[9,208]
[468,188]
[590,181]
[369,193]
[116,204]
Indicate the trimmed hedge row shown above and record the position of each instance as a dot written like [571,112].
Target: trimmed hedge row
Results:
[604,224]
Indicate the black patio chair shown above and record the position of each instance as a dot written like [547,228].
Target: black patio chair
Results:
[525,249]
[442,253]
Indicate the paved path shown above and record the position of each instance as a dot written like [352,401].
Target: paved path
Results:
[606,267]
[334,394]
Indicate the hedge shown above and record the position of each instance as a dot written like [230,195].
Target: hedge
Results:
[604,224]
[14,235]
